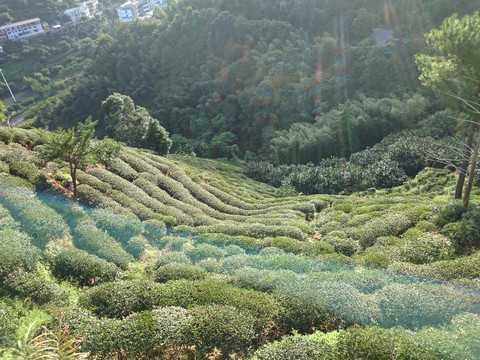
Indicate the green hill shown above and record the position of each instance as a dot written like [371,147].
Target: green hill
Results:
[182,257]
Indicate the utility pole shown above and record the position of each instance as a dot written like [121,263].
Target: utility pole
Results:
[11,93]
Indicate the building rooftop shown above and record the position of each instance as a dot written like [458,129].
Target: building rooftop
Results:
[19,23]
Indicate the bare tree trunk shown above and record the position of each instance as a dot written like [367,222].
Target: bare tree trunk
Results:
[471,175]
[466,160]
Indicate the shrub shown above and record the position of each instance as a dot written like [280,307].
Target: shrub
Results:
[467,267]
[203,251]
[411,307]
[121,168]
[298,347]
[425,249]
[120,226]
[174,243]
[89,195]
[231,250]
[9,318]
[83,268]
[16,253]
[388,224]
[210,265]
[120,299]
[374,343]
[35,287]
[450,213]
[4,168]
[171,325]
[136,246]
[44,223]
[221,327]
[377,260]
[172,257]
[346,247]
[88,237]
[185,293]
[177,271]
[155,230]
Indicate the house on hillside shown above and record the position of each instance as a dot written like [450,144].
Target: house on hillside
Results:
[77,13]
[133,9]
[129,11]
[21,29]
[92,6]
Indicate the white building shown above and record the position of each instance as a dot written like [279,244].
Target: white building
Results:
[92,6]
[21,29]
[162,4]
[77,13]
[129,11]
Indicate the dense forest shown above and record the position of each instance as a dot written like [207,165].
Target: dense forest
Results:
[231,79]
[260,180]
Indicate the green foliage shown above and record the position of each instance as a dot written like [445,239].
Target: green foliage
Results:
[177,271]
[83,269]
[88,237]
[297,347]
[122,298]
[16,253]
[35,287]
[426,248]
[172,257]
[412,307]
[136,246]
[204,251]
[155,230]
[221,327]
[134,125]
[374,343]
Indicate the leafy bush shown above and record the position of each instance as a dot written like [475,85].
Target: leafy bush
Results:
[16,253]
[374,343]
[450,213]
[120,226]
[176,271]
[222,327]
[171,325]
[44,223]
[83,268]
[298,347]
[411,307]
[425,249]
[174,243]
[136,246]
[170,257]
[120,299]
[346,247]
[467,267]
[155,230]
[204,251]
[388,224]
[9,317]
[35,287]
[88,237]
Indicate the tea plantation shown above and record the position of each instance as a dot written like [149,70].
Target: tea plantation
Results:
[185,258]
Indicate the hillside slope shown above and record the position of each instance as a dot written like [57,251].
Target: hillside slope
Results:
[182,257]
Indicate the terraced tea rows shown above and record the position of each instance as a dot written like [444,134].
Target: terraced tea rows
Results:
[155,188]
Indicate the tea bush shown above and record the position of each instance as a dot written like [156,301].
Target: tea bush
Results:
[83,268]
[177,271]
[16,253]
[120,299]
[88,237]
[425,249]
[412,307]
[136,246]
[226,328]
[35,287]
